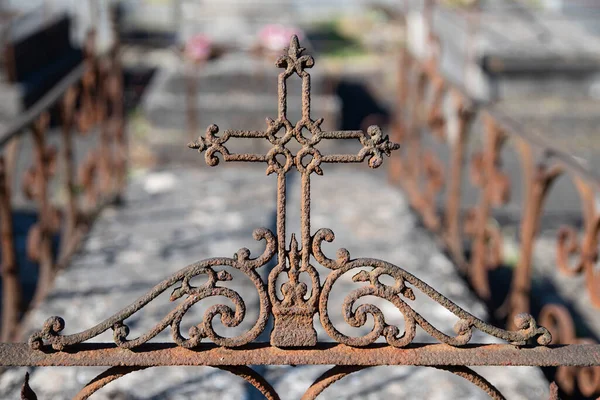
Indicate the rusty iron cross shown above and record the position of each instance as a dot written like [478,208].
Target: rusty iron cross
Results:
[307,160]
[295,308]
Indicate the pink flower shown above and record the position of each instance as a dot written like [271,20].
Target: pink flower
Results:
[277,37]
[198,48]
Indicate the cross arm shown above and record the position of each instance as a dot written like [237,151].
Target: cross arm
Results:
[375,146]
[212,144]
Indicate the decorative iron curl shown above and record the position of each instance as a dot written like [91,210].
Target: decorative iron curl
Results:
[103,379]
[339,372]
[493,238]
[114,373]
[567,245]
[357,317]
[583,249]
[50,333]
[560,323]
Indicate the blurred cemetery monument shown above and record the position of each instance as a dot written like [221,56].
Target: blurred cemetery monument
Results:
[539,61]
[59,28]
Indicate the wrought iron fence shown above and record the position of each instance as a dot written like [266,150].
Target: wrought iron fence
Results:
[435,113]
[295,302]
[86,165]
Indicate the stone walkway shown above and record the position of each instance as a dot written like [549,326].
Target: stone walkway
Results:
[176,216]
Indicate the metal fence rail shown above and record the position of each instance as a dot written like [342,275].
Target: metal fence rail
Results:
[434,112]
[294,303]
[88,101]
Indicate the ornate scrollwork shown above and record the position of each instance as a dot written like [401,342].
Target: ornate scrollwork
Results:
[398,294]
[33,187]
[375,144]
[182,288]
[294,293]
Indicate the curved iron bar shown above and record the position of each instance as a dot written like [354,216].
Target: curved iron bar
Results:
[241,261]
[560,323]
[328,378]
[526,325]
[476,379]
[18,125]
[539,179]
[338,372]
[103,379]
[253,378]
[114,373]
[586,249]
[26,392]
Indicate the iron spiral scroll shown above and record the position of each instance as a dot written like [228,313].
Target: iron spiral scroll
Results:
[398,294]
[294,304]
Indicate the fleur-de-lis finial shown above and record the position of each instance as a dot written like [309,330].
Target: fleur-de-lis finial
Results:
[294,61]
[295,50]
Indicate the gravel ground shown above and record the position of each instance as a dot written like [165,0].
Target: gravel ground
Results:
[177,216]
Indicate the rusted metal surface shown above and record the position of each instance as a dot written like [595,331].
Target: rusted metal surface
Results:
[253,378]
[341,371]
[328,378]
[90,96]
[554,391]
[294,304]
[207,354]
[39,239]
[495,191]
[104,379]
[114,373]
[11,286]
[321,383]
[473,241]
[475,379]
[26,392]
[570,378]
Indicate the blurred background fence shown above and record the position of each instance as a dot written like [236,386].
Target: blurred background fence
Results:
[64,156]
[487,157]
